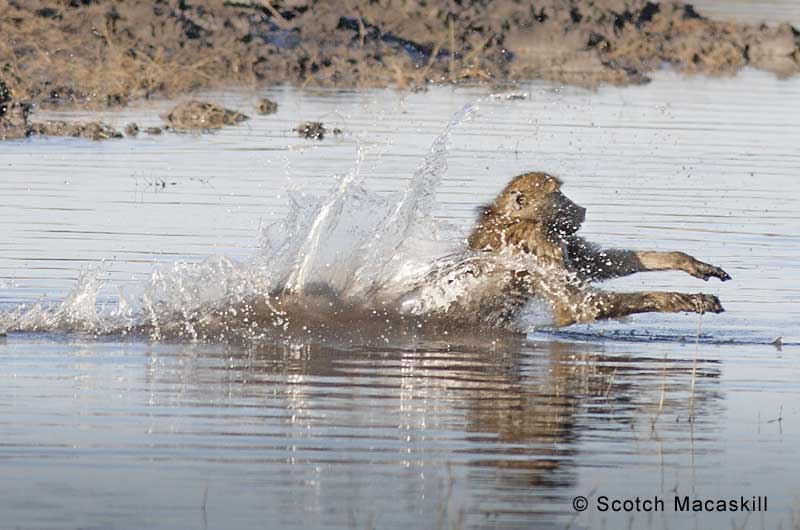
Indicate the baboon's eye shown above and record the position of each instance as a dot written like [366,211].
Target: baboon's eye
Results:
[519,200]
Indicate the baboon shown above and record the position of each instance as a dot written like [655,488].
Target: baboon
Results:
[531,216]
[523,247]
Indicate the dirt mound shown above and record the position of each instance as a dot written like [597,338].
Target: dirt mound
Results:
[266,106]
[201,115]
[93,130]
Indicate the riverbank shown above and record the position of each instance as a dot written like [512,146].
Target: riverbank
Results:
[100,54]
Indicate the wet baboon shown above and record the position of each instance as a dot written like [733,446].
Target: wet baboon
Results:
[523,248]
[532,217]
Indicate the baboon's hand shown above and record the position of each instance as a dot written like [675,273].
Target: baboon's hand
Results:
[698,269]
[706,303]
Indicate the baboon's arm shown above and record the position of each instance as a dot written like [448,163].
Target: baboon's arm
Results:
[680,261]
[595,263]
[602,305]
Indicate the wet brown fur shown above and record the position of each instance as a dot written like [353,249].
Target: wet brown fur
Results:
[532,216]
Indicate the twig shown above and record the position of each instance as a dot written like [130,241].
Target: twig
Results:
[432,58]
[779,419]
[203,507]
[279,20]
[694,368]
[452,48]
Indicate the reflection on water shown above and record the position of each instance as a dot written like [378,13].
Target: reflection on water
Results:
[500,433]
[457,431]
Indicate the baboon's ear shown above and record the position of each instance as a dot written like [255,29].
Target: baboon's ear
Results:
[552,185]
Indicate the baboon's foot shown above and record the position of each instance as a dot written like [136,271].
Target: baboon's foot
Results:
[707,303]
[704,271]
[693,303]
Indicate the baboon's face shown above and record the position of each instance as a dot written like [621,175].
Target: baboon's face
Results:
[537,197]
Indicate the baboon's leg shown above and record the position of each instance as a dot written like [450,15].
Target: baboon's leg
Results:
[594,263]
[602,305]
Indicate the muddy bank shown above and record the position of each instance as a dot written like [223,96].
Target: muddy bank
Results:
[89,130]
[188,116]
[101,53]
[201,115]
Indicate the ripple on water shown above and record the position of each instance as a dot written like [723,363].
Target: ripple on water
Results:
[494,431]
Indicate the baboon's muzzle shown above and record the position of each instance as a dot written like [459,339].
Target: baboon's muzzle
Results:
[566,215]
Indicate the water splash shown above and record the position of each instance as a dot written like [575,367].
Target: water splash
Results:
[411,213]
[350,249]
[350,259]
[76,312]
[356,241]
[329,215]
[351,254]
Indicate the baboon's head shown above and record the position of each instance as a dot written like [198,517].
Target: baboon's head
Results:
[537,197]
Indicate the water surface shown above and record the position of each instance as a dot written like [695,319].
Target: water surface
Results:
[453,431]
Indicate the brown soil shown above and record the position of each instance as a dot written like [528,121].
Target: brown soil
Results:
[200,115]
[100,53]
[92,130]
[267,106]
[132,130]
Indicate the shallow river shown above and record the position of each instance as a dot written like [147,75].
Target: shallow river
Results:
[111,432]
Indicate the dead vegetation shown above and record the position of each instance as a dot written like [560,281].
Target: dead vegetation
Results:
[101,53]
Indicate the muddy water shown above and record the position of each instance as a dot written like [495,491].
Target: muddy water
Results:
[457,431]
